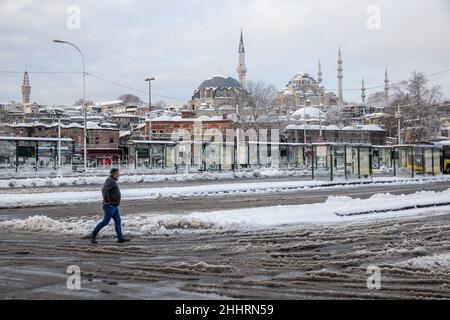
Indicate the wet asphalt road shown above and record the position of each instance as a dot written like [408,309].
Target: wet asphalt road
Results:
[305,262]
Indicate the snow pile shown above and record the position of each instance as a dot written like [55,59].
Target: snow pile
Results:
[334,210]
[142,178]
[435,263]
[46,224]
[136,226]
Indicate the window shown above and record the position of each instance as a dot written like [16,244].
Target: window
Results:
[111,140]
[87,140]
[97,140]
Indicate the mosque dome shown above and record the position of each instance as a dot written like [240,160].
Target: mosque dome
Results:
[220,82]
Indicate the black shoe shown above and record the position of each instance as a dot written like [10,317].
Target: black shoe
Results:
[123,240]
[92,238]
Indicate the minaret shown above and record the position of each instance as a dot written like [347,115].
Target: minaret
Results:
[26,89]
[363,92]
[386,85]
[241,69]
[340,77]
[319,73]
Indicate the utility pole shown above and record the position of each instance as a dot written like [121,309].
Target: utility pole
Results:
[59,143]
[320,115]
[149,80]
[398,116]
[238,146]
[304,118]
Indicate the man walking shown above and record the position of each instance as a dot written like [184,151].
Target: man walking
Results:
[111,202]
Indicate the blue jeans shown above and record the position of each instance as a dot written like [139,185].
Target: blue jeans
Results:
[111,212]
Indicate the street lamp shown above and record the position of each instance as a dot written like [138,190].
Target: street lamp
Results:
[84,100]
[149,80]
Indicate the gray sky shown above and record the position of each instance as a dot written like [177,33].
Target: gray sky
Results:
[185,41]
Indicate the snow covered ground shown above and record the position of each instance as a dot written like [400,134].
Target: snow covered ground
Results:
[143,178]
[439,262]
[334,210]
[23,199]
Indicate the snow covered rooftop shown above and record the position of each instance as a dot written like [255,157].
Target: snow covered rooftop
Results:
[179,118]
[124,133]
[309,112]
[335,128]
[443,143]
[124,115]
[113,102]
[220,82]
[151,142]
[90,125]
[34,139]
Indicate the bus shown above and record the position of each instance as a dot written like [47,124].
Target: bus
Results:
[446,158]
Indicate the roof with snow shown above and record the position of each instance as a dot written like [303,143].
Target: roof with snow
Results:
[335,128]
[220,82]
[124,133]
[89,125]
[179,118]
[308,113]
[124,115]
[35,139]
[303,76]
[107,103]
[443,143]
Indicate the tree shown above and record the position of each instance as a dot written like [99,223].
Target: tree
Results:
[418,101]
[336,115]
[256,105]
[79,102]
[130,98]
[376,99]
[160,105]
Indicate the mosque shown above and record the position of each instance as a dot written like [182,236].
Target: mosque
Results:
[219,94]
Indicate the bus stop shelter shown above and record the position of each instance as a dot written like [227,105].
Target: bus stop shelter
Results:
[413,160]
[150,154]
[341,161]
[35,154]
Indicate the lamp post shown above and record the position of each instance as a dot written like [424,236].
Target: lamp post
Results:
[149,80]
[84,100]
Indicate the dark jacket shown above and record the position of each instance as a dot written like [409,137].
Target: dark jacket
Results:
[111,192]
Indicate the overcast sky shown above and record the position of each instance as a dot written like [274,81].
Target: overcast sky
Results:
[183,42]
